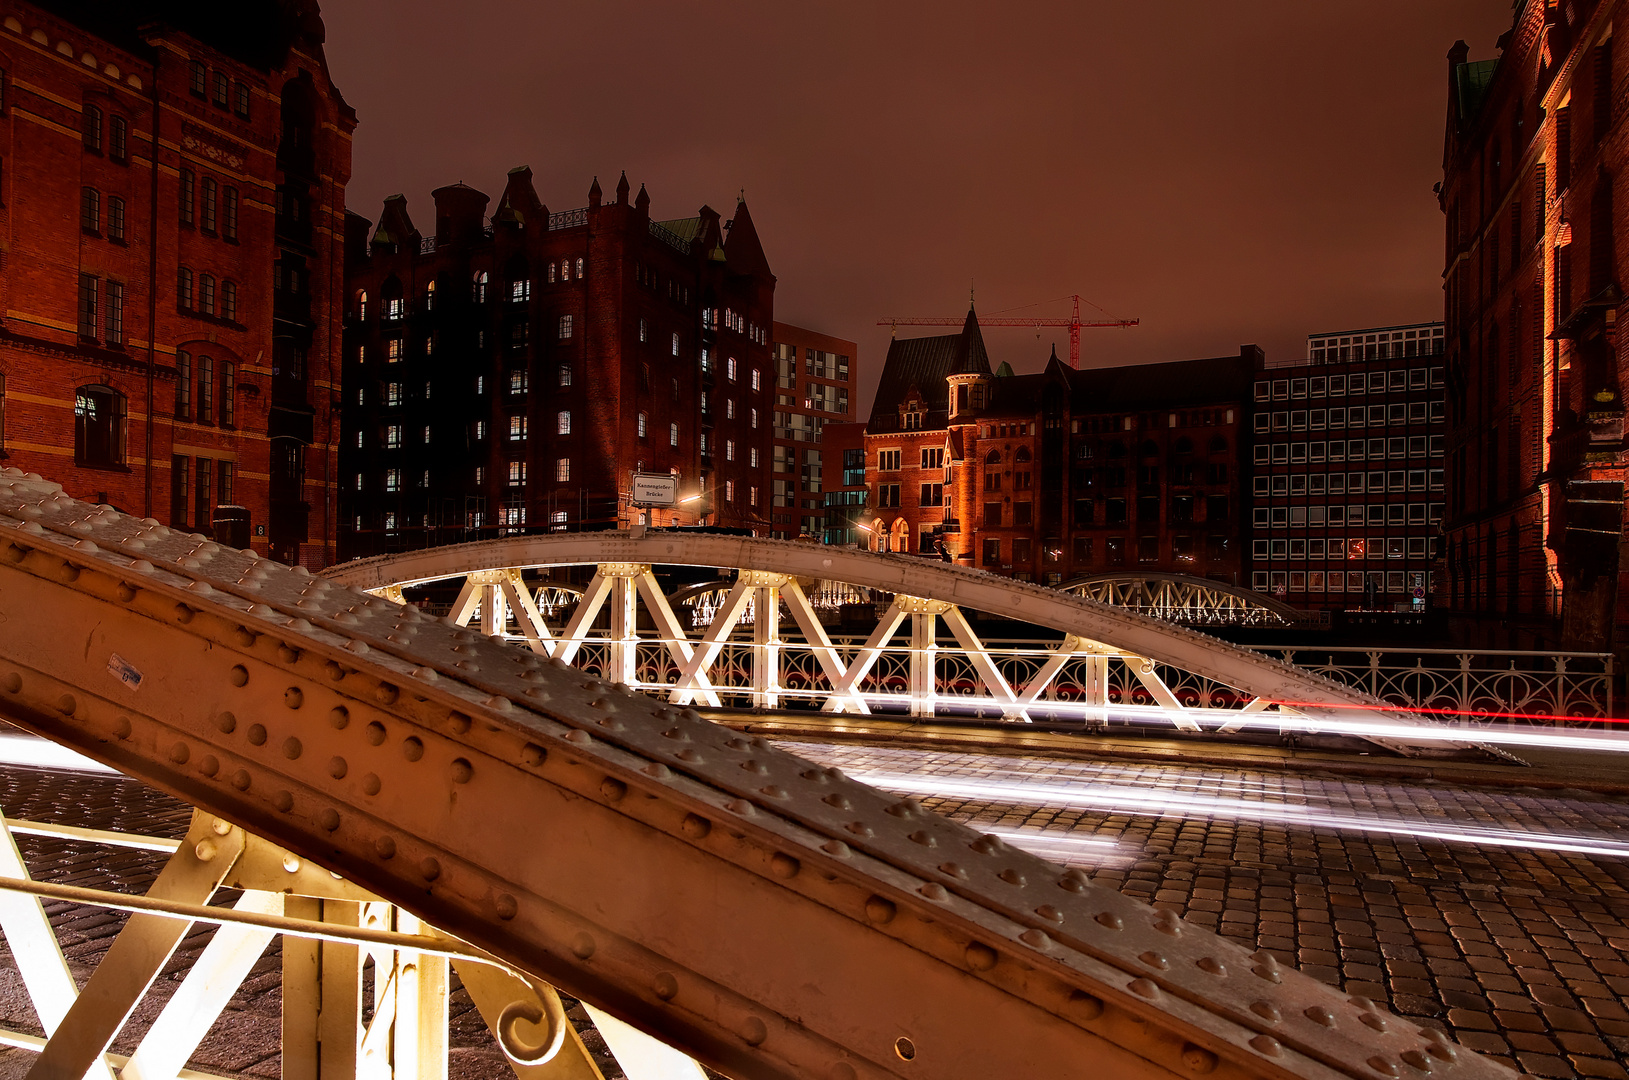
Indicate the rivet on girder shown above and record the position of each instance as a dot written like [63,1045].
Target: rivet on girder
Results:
[533,754]
[612,789]
[1012,877]
[226,723]
[953,870]
[923,837]
[179,753]
[1049,913]
[240,780]
[66,704]
[121,727]
[756,767]
[329,819]
[1267,1045]
[836,849]
[882,911]
[1155,960]
[1036,939]
[934,891]
[293,697]
[1267,1011]
[413,748]
[859,828]
[209,765]
[753,1031]
[370,784]
[460,723]
[337,768]
[386,694]
[1440,1046]
[333,671]
[657,771]
[1111,920]
[1382,1066]
[665,985]
[243,637]
[741,806]
[291,864]
[783,865]
[238,676]
[1212,966]
[692,756]
[837,801]
[429,869]
[505,906]
[292,748]
[339,717]
[987,845]
[1167,921]
[774,791]
[1144,988]
[284,801]
[1198,1059]
[1320,1015]
[906,808]
[375,733]
[1073,881]
[385,847]
[126,592]
[13,682]
[578,737]
[676,734]
[980,957]
[257,735]
[695,826]
[206,850]
[1417,1059]
[1374,1020]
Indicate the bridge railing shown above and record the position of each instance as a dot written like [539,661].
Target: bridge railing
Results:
[1470,687]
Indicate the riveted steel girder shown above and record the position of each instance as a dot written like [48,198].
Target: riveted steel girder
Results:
[770,917]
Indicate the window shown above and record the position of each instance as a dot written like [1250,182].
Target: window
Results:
[393,436]
[99,413]
[517,428]
[934,495]
[520,290]
[211,196]
[675,344]
[393,479]
[517,473]
[229,213]
[114,322]
[222,96]
[115,218]
[229,393]
[992,552]
[206,390]
[479,287]
[90,290]
[240,100]
[933,457]
[562,422]
[206,293]
[565,327]
[888,460]
[562,470]
[729,449]
[756,382]
[564,375]
[199,82]
[729,369]
[229,300]
[188,184]
[91,128]
[90,210]
[579,269]
[673,434]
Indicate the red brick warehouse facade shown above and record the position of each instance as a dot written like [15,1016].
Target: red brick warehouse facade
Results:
[1535,149]
[1059,474]
[170,206]
[511,374]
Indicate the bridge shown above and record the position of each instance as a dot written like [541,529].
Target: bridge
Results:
[387,785]
[1186,599]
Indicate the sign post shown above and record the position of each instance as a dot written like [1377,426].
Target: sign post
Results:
[655,489]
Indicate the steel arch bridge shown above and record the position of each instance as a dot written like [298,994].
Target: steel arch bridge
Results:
[766,916]
[1184,599]
[1106,662]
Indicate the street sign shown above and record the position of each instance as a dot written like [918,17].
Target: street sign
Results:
[1419,592]
[655,489]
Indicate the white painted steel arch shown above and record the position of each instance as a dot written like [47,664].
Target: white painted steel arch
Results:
[769,916]
[1186,599]
[923,589]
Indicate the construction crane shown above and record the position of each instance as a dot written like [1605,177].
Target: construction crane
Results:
[1074,324]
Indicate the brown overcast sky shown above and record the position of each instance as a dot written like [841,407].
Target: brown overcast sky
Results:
[1239,172]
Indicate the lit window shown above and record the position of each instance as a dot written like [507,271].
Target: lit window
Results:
[99,418]
[430,297]
[673,434]
[729,449]
[517,428]
[675,344]
[520,291]
[562,469]
[729,369]
[579,269]
[562,422]
[565,327]
[393,480]
[393,437]
[754,417]
[729,491]
[641,425]
[642,331]
[755,378]
[517,473]
[565,374]
[481,280]
[752,457]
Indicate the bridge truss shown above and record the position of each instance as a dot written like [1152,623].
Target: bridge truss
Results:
[770,918]
[1183,599]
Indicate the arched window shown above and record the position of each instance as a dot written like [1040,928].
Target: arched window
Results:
[879,536]
[229,213]
[118,139]
[481,280]
[90,210]
[641,425]
[99,413]
[1021,454]
[206,293]
[211,207]
[229,393]
[206,390]
[362,305]
[183,385]
[579,269]
[91,128]
[993,457]
[430,297]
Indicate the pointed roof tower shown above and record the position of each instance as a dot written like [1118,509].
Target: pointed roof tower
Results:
[595,195]
[971,357]
[743,252]
[395,226]
[519,203]
[622,189]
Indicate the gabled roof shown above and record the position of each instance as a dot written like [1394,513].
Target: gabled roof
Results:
[1155,386]
[926,363]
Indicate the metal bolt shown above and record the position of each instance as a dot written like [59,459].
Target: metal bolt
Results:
[179,753]
[1382,1066]
[240,780]
[980,957]
[533,754]
[412,748]
[1144,988]
[226,723]
[337,768]
[370,784]
[239,675]
[291,864]
[293,697]
[1111,920]
[429,869]
[206,850]
[292,748]
[753,1031]
[1155,960]
[283,801]
[611,788]
[1267,1045]
[386,694]
[1320,1015]
[665,985]
[1267,1011]
[339,717]
[329,819]
[375,733]
[505,906]
[210,765]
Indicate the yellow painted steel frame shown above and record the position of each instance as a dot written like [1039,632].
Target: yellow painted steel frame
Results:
[767,916]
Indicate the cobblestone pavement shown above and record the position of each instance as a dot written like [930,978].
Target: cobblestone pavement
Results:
[1500,915]
[1516,949]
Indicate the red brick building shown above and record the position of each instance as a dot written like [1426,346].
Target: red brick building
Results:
[170,213]
[512,373]
[1534,149]
[1063,473]
[814,386]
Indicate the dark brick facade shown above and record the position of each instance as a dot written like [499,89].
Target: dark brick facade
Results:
[512,373]
[170,209]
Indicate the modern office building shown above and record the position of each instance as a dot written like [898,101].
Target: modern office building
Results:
[815,378]
[1347,488]
[170,214]
[1534,149]
[843,489]
[512,374]
[1059,474]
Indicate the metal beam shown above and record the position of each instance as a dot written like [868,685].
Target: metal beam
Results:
[770,918]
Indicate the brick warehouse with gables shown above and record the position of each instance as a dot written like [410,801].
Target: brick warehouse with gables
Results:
[170,204]
[511,373]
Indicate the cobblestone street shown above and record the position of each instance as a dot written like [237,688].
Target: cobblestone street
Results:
[1517,950]
[1500,915]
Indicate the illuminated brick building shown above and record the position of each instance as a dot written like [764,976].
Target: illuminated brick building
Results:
[1347,492]
[814,386]
[1534,147]
[1063,473]
[170,215]
[511,374]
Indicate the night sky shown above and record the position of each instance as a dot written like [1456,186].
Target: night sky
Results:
[1229,173]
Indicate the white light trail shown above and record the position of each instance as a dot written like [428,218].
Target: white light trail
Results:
[35,753]
[1164,802]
